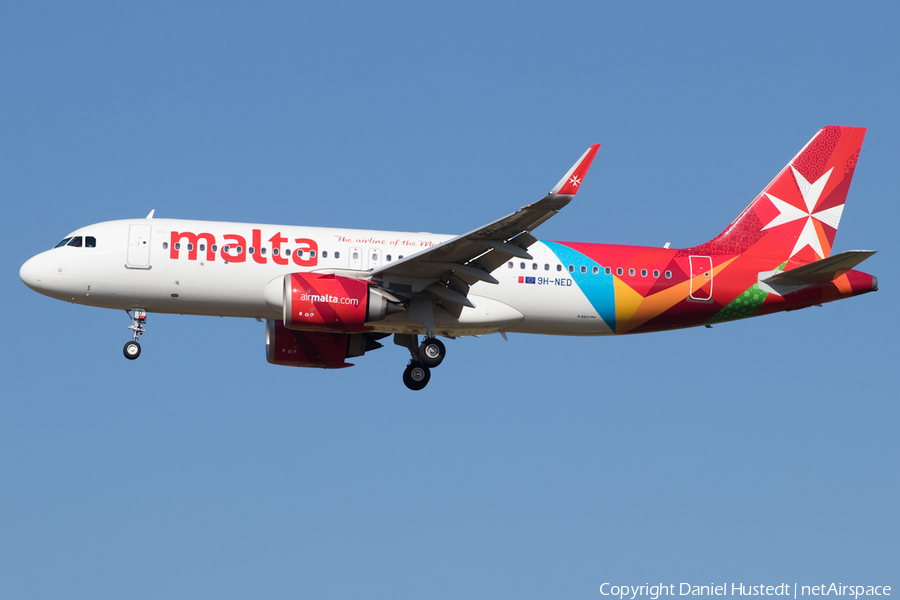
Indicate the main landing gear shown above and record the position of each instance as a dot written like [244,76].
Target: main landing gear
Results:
[416,376]
[424,357]
[133,349]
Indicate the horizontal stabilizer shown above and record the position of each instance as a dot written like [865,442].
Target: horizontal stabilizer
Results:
[821,271]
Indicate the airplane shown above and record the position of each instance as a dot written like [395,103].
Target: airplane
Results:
[327,295]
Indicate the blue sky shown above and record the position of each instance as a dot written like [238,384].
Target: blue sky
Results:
[759,451]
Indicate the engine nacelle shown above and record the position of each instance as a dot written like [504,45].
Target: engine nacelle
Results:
[332,303]
[315,349]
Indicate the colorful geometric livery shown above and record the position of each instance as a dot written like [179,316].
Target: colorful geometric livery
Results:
[790,224]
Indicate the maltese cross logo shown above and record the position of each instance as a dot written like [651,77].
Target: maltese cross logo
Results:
[575,181]
[808,215]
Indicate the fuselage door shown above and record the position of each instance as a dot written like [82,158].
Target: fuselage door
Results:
[355,258]
[374,256]
[139,246]
[701,278]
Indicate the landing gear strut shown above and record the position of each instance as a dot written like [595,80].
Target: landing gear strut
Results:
[425,357]
[133,349]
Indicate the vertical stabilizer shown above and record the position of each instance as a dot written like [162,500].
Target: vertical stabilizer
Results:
[797,215]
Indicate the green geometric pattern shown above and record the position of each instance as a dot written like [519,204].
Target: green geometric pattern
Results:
[741,307]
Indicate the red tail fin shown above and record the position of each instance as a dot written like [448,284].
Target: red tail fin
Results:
[797,215]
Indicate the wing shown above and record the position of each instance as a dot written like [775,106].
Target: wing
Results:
[447,270]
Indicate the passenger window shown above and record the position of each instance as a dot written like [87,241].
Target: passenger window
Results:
[643,272]
[215,248]
[608,271]
[559,267]
[226,249]
[656,272]
[571,268]
[631,272]
[190,247]
[76,242]
[90,242]
[325,254]
[262,250]
[165,245]
[287,251]
[400,257]
[312,253]
[239,249]
[356,256]
[546,266]
[583,269]
[388,258]
[619,271]
[595,270]
[202,247]
[510,265]
[300,252]
[62,243]
[178,245]
[251,250]
[338,255]
[534,266]
[668,274]
[522,265]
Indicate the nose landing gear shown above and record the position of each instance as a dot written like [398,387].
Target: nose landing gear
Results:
[133,349]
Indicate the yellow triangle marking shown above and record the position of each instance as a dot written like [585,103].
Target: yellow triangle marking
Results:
[627,301]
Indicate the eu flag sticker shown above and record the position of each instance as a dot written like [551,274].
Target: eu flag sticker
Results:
[529,280]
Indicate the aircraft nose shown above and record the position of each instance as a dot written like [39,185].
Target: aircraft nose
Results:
[32,273]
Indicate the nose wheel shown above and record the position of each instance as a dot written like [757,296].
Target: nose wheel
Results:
[133,349]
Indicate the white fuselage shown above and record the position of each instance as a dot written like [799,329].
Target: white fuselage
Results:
[227,269]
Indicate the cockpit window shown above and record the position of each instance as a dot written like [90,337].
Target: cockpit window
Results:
[62,243]
[90,242]
[76,242]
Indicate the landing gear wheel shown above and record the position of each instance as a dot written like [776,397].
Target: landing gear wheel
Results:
[416,376]
[132,350]
[431,352]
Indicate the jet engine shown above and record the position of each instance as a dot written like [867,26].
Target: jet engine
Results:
[332,303]
[322,350]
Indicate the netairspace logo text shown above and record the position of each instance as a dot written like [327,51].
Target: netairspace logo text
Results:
[654,592]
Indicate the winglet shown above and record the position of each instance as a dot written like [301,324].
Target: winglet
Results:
[569,184]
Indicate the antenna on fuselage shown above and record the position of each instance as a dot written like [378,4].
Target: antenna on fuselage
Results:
[150,216]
